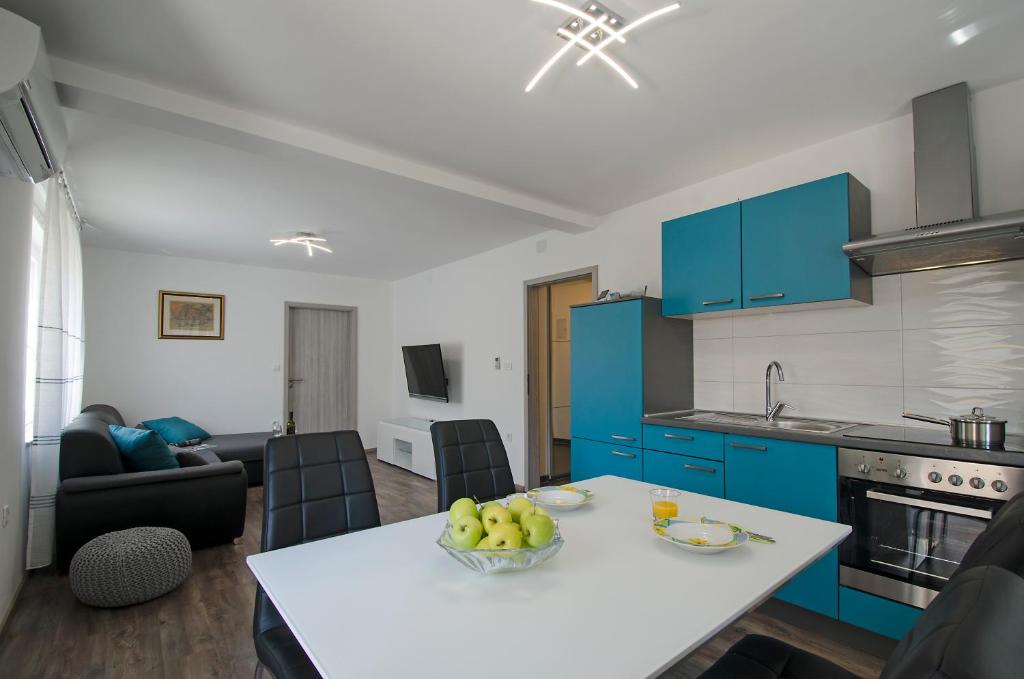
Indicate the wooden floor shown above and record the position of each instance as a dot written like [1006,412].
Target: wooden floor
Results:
[203,630]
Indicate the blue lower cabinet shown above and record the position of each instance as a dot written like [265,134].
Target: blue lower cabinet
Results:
[694,442]
[800,478]
[692,474]
[591,458]
[817,586]
[882,616]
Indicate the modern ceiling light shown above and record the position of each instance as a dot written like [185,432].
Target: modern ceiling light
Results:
[305,239]
[591,28]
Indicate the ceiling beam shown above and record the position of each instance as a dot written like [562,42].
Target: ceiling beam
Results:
[97,91]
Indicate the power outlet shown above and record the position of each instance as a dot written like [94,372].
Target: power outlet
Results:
[5,516]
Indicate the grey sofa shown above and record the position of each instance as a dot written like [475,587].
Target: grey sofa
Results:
[97,495]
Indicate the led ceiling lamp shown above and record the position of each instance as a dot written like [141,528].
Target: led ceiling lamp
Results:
[593,27]
[306,239]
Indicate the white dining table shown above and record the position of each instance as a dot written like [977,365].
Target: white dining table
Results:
[616,601]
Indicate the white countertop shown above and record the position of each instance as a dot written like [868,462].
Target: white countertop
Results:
[615,602]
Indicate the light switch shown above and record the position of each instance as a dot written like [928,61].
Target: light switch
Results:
[497,362]
[508,364]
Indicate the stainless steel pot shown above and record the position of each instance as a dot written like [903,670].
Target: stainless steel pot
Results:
[976,429]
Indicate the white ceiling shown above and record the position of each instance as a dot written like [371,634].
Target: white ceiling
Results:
[723,83]
[148,190]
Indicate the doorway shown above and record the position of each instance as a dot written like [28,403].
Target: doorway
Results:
[548,351]
[320,367]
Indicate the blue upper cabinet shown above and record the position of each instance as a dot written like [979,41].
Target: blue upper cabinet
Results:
[777,249]
[606,372]
[700,262]
[793,243]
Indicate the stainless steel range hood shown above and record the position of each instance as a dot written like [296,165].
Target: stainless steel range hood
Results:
[949,231]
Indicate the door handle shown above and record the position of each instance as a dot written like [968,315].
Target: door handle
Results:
[619,437]
[770,295]
[929,504]
[749,446]
[712,302]
[622,454]
[678,437]
[698,468]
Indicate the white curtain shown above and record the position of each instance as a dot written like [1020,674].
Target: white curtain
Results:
[59,367]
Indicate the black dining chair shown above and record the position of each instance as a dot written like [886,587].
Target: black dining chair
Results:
[315,486]
[471,462]
[972,630]
[1001,543]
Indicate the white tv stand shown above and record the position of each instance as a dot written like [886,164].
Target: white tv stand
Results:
[405,442]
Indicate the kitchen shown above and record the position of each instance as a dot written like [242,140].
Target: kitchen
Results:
[919,321]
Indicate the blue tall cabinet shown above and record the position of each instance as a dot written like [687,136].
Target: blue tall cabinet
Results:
[627,360]
[777,249]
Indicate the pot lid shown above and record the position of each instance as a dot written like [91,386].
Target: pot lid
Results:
[978,415]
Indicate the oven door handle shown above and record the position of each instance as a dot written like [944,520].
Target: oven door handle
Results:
[928,504]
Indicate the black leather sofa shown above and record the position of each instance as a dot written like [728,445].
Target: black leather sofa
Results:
[97,495]
[246,448]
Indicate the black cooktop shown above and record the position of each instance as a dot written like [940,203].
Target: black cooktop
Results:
[935,437]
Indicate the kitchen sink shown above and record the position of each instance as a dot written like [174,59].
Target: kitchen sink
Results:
[814,426]
[750,420]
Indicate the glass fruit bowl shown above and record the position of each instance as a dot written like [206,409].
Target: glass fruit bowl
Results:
[500,560]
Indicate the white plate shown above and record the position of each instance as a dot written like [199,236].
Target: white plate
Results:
[703,538]
[560,497]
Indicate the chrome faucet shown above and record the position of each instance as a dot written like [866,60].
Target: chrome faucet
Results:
[772,411]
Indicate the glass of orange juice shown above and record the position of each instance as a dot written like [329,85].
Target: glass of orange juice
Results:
[665,503]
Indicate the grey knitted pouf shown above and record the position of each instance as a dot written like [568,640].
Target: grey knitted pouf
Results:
[130,566]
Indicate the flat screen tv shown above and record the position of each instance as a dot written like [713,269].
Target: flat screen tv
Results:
[424,371]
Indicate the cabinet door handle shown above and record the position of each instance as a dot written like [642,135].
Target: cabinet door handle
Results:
[712,302]
[622,454]
[749,446]
[619,437]
[678,437]
[770,295]
[698,468]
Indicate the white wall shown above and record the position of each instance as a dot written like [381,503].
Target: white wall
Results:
[234,385]
[475,306]
[16,234]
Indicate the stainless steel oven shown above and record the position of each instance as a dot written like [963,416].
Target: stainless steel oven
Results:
[913,519]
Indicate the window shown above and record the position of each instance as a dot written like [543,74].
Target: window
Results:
[34,299]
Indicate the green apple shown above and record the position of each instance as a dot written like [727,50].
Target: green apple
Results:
[538,530]
[494,514]
[466,532]
[517,506]
[463,507]
[485,543]
[505,536]
[533,510]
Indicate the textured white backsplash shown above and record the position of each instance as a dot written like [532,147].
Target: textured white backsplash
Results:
[934,342]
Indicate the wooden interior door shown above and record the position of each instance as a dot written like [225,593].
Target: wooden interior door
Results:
[322,368]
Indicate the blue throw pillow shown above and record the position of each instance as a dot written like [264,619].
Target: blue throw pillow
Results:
[142,449]
[176,431]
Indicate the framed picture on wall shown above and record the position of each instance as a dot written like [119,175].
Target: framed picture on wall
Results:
[191,315]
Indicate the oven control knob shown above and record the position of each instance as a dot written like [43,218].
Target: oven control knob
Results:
[956,480]
[900,472]
[999,486]
[935,477]
[977,483]
[864,468]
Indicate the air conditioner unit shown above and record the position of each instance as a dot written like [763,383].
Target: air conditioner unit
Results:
[33,137]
